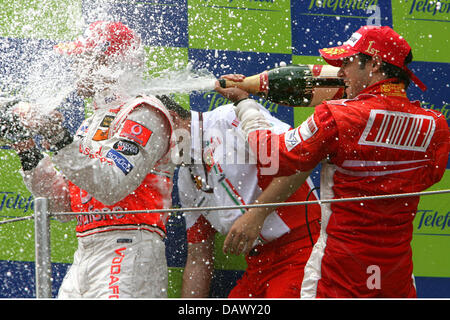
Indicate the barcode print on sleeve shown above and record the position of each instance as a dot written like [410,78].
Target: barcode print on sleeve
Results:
[398,130]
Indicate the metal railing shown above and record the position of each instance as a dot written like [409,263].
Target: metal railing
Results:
[43,265]
[42,227]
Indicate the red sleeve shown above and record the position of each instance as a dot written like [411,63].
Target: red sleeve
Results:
[200,231]
[441,145]
[301,148]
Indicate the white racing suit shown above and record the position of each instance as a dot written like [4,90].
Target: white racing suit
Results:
[225,174]
[119,160]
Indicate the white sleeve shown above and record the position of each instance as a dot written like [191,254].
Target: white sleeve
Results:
[192,197]
[45,181]
[104,169]
[249,113]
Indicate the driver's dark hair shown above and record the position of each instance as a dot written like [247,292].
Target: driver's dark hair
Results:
[171,104]
[388,69]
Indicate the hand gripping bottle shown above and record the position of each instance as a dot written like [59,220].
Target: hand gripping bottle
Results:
[12,130]
[294,85]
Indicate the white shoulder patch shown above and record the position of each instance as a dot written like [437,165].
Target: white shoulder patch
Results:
[292,138]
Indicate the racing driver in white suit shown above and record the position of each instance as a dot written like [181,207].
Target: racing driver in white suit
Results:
[119,160]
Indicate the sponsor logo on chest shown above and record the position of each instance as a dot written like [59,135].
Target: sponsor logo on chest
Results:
[102,131]
[121,162]
[136,132]
[94,154]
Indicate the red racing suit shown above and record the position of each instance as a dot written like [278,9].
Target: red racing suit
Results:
[375,144]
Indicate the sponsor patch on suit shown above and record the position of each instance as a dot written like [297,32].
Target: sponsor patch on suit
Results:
[100,135]
[121,162]
[292,139]
[107,120]
[126,147]
[136,132]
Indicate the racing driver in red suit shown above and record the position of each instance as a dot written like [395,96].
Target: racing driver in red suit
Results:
[374,142]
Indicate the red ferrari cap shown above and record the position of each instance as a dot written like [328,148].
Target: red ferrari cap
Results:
[374,40]
[109,37]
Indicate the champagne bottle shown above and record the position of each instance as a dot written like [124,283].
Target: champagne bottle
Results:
[294,85]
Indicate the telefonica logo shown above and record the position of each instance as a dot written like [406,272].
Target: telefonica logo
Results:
[429,6]
[15,201]
[433,219]
[343,4]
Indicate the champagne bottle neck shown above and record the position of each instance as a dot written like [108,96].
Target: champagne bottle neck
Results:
[323,71]
[323,76]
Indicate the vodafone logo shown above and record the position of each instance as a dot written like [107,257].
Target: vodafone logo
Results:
[136,132]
